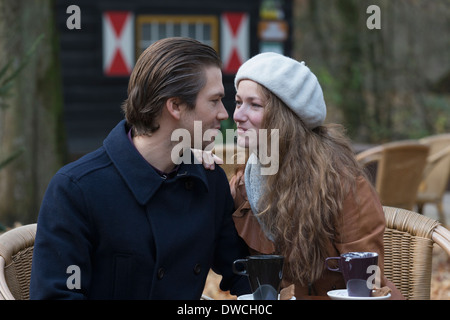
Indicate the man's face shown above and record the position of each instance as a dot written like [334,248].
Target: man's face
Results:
[209,108]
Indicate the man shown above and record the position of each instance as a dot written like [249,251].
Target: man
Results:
[126,222]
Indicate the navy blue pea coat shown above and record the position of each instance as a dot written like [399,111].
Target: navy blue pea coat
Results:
[110,227]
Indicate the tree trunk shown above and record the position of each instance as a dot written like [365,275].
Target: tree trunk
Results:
[32,119]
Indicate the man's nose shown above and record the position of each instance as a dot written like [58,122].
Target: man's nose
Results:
[223,113]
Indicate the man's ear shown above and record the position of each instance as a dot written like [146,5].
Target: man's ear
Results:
[174,106]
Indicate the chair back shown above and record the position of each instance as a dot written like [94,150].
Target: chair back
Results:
[399,171]
[437,171]
[16,252]
[408,250]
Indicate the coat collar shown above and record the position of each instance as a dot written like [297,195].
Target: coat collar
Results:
[140,177]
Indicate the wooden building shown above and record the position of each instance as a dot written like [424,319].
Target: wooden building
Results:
[98,56]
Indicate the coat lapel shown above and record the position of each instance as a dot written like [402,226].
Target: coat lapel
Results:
[140,177]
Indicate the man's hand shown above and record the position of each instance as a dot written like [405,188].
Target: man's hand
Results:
[208,158]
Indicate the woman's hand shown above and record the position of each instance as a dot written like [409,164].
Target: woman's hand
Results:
[287,293]
[208,158]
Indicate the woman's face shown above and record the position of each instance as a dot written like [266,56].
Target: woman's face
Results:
[248,114]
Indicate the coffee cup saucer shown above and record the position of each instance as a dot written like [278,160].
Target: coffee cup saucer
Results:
[342,294]
[250,297]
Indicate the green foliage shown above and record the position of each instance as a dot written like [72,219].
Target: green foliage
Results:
[438,112]
[330,86]
[11,158]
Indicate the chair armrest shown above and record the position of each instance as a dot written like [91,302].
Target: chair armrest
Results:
[5,293]
[438,155]
[368,156]
[442,237]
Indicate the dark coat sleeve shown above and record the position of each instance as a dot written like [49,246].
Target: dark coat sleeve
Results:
[62,245]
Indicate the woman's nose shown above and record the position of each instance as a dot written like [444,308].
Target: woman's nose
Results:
[239,115]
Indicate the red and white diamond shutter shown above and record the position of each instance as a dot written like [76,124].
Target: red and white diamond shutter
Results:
[118,43]
[234,40]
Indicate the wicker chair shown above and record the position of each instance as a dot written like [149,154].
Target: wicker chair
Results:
[399,172]
[436,174]
[16,252]
[408,248]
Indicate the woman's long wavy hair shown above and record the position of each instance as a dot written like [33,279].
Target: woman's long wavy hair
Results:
[302,200]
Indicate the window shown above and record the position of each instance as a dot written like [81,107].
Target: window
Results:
[151,28]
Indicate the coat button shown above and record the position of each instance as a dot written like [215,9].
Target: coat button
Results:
[197,269]
[160,273]
[189,185]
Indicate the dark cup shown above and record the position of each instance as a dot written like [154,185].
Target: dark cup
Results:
[357,269]
[264,273]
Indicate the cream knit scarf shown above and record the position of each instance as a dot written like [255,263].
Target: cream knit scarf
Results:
[254,186]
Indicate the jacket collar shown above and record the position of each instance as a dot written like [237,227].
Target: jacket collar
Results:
[139,176]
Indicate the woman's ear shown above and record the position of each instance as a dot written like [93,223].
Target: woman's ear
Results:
[174,106]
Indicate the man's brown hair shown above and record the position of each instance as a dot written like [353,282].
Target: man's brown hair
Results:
[171,67]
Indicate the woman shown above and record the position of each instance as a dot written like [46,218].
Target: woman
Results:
[319,203]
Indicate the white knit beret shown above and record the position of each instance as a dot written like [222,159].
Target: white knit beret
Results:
[291,81]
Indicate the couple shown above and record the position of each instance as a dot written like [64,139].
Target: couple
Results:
[133,225]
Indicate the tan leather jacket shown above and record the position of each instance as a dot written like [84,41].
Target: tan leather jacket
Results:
[360,228]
